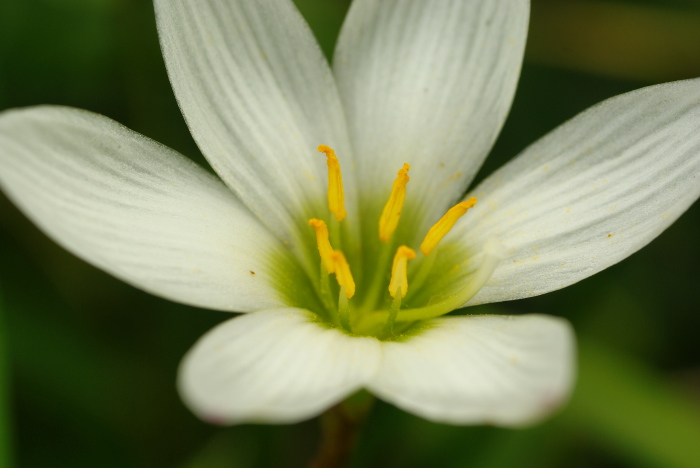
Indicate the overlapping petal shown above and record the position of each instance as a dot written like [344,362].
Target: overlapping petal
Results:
[136,209]
[502,370]
[428,82]
[259,97]
[591,193]
[278,366]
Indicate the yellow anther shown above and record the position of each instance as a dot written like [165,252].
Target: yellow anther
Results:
[324,245]
[342,273]
[336,195]
[392,210]
[399,270]
[442,227]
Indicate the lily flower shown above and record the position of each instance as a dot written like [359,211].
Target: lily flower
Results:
[344,269]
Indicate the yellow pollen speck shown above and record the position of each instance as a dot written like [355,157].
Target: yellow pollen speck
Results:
[324,245]
[392,210]
[336,194]
[342,273]
[399,269]
[443,226]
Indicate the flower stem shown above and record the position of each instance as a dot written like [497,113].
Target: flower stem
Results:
[340,426]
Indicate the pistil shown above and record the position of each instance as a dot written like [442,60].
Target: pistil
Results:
[347,287]
[493,253]
[344,309]
[393,312]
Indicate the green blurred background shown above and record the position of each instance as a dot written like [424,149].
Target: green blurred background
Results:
[88,364]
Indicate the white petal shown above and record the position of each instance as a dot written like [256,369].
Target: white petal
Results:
[502,370]
[429,83]
[592,192]
[277,366]
[135,208]
[259,97]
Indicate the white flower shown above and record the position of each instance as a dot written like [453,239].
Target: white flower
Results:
[426,83]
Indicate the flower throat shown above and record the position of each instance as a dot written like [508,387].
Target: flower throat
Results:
[373,314]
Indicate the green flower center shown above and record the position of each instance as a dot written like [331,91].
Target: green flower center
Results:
[382,286]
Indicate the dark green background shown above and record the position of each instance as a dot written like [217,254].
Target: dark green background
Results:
[88,364]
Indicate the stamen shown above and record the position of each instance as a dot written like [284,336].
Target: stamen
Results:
[442,227]
[324,245]
[336,194]
[342,273]
[392,210]
[399,280]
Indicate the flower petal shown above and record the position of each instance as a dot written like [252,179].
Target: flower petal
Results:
[502,370]
[428,83]
[591,193]
[277,366]
[135,208]
[259,97]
